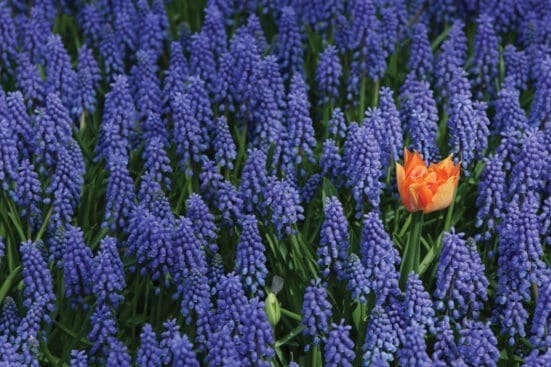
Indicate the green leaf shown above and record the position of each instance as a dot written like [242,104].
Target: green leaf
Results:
[8,283]
[328,189]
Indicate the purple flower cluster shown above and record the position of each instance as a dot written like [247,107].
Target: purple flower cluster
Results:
[204,183]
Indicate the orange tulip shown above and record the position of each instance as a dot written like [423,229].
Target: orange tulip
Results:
[426,188]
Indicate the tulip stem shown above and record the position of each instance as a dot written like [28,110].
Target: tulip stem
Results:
[412,252]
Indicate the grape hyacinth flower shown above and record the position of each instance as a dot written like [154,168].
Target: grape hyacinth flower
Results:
[8,48]
[519,264]
[254,28]
[170,331]
[145,84]
[300,130]
[328,74]
[9,318]
[485,57]
[417,305]
[224,146]
[189,255]
[107,275]
[78,358]
[195,299]
[358,279]
[203,62]
[91,20]
[445,348]
[477,344]
[112,53]
[149,353]
[256,335]
[331,161]
[420,59]
[150,241]
[333,248]
[381,340]
[190,144]
[222,350]
[527,175]
[290,52]
[210,179]
[284,203]
[27,334]
[362,166]
[175,75]
[316,311]
[28,80]
[268,70]
[119,117]
[491,195]
[60,76]
[77,266]
[339,347]
[462,127]
[9,156]
[537,360]
[103,328]
[253,180]
[250,260]
[156,161]
[517,67]
[336,126]
[67,182]
[509,114]
[236,71]
[420,114]
[200,106]
[88,78]
[413,351]
[453,55]
[154,127]
[125,23]
[17,112]
[37,277]
[379,257]
[118,355]
[230,303]
[540,108]
[52,132]
[214,28]
[202,220]
[460,280]
[265,120]
[374,121]
[151,35]
[229,203]
[182,352]
[120,193]
[390,115]
[542,315]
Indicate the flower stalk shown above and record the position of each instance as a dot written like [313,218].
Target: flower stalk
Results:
[412,252]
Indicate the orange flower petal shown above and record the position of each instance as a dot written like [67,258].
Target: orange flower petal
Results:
[443,196]
[426,188]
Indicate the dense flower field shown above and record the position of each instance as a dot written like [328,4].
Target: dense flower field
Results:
[275,183]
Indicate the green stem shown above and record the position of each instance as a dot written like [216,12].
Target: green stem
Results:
[375,99]
[44,224]
[8,282]
[412,253]
[362,100]
[296,331]
[316,361]
[291,314]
